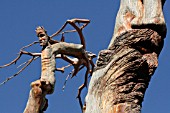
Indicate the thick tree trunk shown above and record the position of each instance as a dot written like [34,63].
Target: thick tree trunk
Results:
[124,70]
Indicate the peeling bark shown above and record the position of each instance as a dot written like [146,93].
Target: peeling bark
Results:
[123,71]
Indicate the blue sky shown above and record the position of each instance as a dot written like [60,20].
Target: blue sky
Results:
[18,21]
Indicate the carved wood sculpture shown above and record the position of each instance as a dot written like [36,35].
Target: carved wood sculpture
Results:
[123,71]
[52,49]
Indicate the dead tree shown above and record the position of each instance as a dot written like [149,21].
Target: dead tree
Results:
[124,69]
[52,49]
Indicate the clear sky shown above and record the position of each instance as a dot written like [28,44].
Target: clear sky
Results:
[18,21]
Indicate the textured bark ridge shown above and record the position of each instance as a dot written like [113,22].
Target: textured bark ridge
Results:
[123,73]
[124,70]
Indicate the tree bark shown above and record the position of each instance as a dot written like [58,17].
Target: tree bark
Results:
[123,71]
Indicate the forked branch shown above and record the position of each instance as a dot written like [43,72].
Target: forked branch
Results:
[21,53]
[34,57]
[73,22]
[27,64]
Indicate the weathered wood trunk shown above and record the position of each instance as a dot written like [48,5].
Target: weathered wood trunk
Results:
[37,103]
[124,70]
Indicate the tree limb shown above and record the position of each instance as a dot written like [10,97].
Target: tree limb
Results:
[27,64]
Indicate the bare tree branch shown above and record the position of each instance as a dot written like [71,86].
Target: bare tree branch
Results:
[35,42]
[21,53]
[73,22]
[28,63]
